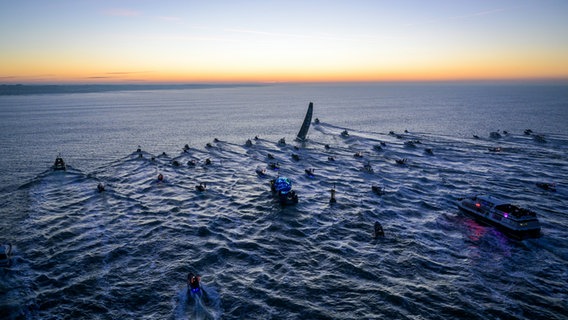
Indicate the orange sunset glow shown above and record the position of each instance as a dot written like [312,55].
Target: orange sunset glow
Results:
[186,41]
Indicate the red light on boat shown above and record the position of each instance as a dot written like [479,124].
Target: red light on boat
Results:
[478,204]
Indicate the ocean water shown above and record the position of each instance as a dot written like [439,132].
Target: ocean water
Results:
[125,253]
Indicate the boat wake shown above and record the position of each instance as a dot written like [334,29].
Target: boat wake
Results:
[191,306]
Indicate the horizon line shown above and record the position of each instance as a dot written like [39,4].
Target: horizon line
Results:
[213,83]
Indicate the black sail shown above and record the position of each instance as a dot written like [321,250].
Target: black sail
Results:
[306,125]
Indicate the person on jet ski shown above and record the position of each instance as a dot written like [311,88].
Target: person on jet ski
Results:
[193,282]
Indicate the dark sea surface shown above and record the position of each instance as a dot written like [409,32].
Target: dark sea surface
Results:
[125,253]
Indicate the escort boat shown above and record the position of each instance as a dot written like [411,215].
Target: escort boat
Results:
[514,221]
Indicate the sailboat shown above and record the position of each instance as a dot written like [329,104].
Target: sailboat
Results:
[306,125]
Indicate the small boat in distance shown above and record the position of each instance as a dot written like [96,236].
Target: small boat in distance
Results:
[306,124]
[378,231]
[402,161]
[514,221]
[495,134]
[368,168]
[546,186]
[201,186]
[261,172]
[59,164]
[378,190]
[310,172]
[5,255]
[539,138]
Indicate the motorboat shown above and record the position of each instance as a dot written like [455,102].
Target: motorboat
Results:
[5,255]
[344,133]
[59,164]
[546,186]
[539,138]
[514,221]
[378,230]
[261,172]
[368,168]
[402,161]
[201,186]
[494,135]
[274,165]
[194,285]
[310,172]
[282,188]
[410,144]
[378,190]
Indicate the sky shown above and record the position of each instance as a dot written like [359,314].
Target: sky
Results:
[186,41]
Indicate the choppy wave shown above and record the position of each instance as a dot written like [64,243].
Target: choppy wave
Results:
[125,253]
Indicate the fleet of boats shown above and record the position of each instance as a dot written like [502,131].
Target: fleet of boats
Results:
[512,220]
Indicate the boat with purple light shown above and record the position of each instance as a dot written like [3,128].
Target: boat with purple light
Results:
[514,221]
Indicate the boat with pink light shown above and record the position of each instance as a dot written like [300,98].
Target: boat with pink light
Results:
[514,221]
